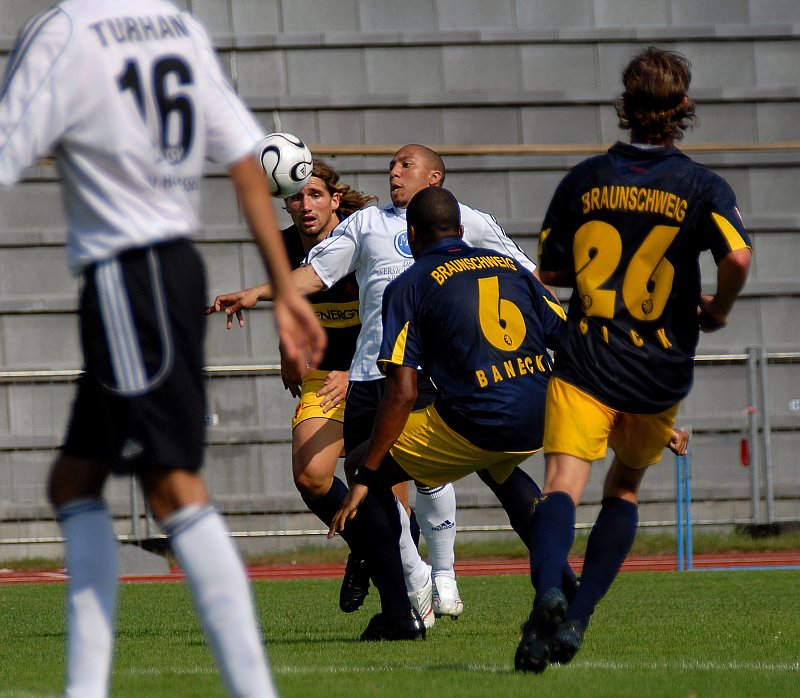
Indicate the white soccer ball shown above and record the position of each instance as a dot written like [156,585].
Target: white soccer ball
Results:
[287,162]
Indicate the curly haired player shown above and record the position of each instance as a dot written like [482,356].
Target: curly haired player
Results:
[625,231]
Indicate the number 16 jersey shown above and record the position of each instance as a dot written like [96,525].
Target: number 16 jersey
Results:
[130,99]
[631,225]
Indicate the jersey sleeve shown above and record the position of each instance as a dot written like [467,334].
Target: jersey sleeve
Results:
[232,131]
[400,343]
[482,230]
[31,118]
[337,255]
[723,224]
[551,313]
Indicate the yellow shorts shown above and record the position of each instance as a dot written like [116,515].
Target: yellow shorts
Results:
[309,405]
[433,454]
[580,425]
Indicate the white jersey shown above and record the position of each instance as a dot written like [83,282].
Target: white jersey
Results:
[130,99]
[373,242]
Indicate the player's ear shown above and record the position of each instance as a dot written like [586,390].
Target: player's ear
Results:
[336,199]
[461,231]
[435,178]
[412,234]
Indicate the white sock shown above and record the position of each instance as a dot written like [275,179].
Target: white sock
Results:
[415,569]
[436,515]
[91,552]
[222,597]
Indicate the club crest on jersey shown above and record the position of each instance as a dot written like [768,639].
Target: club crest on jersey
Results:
[401,245]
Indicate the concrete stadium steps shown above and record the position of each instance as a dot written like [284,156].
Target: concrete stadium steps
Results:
[365,72]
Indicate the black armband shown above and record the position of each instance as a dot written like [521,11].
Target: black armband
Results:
[364,476]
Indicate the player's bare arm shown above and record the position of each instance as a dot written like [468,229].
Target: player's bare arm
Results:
[396,405]
[304,278]
[731,276]
[562,277]
[291,377]
[299,330]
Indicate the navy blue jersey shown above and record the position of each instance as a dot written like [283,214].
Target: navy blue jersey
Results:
[336,309]
[632,224]
[479,325]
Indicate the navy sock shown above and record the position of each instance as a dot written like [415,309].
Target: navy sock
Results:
[551,539]
[326,506]
[517,495]
[609,544]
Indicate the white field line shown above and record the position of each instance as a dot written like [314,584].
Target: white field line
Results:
[578,665]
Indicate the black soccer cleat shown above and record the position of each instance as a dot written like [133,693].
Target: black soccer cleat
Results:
[533,652]
[355,584]
[567,641]
[383,628]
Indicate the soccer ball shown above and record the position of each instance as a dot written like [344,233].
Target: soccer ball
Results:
[287,162]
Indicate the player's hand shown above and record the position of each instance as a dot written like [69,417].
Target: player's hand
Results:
[347,509]
[709,319]
[233,304]
[334,391]
[679,442]
[292,379]
[300,335]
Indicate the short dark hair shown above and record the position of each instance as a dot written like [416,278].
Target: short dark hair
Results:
[434,212]
[654,105]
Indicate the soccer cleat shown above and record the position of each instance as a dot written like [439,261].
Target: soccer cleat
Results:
[421,601]
[533,652]
[383,628]
[566,641]
[446,599]
[355,584]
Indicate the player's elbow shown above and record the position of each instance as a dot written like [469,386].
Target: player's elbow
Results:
[554,278]
[736,265]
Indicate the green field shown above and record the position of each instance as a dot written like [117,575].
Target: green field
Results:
[656,634]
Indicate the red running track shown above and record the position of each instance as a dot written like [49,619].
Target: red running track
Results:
[646,563]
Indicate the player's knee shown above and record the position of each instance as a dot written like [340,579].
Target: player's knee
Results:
[312,483]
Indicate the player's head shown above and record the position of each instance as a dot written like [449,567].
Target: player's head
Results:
[314,208]
[432,214]
[654,105]
[412,168]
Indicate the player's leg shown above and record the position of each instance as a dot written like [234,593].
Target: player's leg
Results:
[552,535]
[609,542]
[376,530]
[90,546]
[316,448]
[436,513]
[216,576]
[416,572]
[638,442]
[518,494]
[363,399]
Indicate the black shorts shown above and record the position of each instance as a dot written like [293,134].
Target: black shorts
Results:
[361,407]
[141,401]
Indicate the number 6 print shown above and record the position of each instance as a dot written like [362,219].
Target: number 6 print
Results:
[501,320]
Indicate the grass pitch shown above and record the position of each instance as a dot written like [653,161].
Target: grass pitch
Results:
[656,634]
